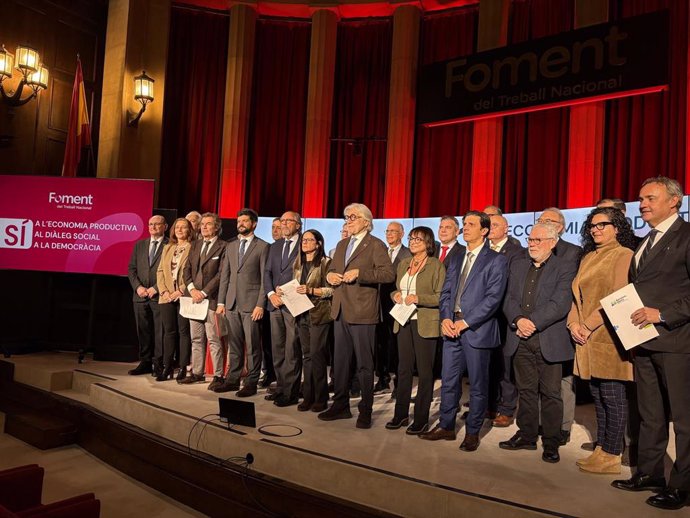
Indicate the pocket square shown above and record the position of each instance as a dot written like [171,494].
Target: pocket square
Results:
[215,258]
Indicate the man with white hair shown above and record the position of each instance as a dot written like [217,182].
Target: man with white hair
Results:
[359,266]
[194,217]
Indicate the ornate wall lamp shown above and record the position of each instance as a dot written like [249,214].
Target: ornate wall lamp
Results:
[34,74]
[143,93]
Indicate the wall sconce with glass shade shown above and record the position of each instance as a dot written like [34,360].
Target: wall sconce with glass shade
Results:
[143,93]
[33,74]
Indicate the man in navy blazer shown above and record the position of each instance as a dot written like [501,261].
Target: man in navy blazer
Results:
[536,306]
[470,298]
[287,353]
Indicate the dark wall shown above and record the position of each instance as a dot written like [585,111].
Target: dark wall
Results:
[32,137]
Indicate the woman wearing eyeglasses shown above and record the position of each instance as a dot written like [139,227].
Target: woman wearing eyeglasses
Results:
[608,242]
[419,281]
[310,268]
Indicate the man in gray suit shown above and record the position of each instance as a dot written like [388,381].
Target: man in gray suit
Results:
[359,266]
[143,265]
[241,299]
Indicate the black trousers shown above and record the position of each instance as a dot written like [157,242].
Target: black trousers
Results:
[536,380]
[175,331]
[314,341]
[414,348]
[663,385]
[503,394]
[354,340]
[149,331]
[386,349]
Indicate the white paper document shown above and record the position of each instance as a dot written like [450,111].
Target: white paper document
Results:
[190,309]
[403,312]
[618,307]
[296,303]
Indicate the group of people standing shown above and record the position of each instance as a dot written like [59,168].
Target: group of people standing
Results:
[519,323]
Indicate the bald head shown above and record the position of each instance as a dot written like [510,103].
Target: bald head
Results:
[499,229]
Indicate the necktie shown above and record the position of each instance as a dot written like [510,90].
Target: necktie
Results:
[350,246]
[286,254]
[390,254]
[647,248]
[243,245]
[465,273]
[152,251]
[444,252]
[204,250]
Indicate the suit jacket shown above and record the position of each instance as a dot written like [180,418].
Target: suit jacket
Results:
[139,272]
[359,301]
[241,283]
[552,304]
[165,277]
[429,282]
[512,250]
[457,249]
[205,274]
[388,288]
[664,283]
[568,251]
[481,296]
[277,273]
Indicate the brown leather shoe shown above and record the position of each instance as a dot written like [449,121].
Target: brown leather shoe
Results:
[246,391]
[503,421]
[438,434]
[471,442]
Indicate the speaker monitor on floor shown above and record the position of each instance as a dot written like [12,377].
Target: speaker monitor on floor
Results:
[233,411]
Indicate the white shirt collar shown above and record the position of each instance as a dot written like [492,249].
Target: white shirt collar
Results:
[667,223]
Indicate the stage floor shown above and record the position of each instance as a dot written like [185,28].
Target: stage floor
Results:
[384,469]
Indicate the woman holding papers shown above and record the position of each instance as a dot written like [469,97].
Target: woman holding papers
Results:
[419,281]
[170,287]
[310,268]
[608,241]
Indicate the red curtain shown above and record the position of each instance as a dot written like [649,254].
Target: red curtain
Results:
[193,110]
[443,155]
[535,145]
[278,117]
[646,134]
[360,115]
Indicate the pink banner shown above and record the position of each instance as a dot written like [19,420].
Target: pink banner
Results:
[80,225]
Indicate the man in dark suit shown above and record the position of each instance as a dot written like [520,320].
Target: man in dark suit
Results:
[386,342]
[660,271]
[448,232]
[503,393]
[268,375]
[569,252]
[287,353]
[536,306]
[202,279]
[143,265]
[241,299]
[494,210]
[359,266]
[470,298]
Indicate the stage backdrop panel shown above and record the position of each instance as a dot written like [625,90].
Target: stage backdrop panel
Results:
[78,225]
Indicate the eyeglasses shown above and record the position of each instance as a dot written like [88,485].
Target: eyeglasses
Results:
[599,226]
[537,240]
[308,240]
[287,220]
[352,217]
[415,239]
[392,232]
[546,221]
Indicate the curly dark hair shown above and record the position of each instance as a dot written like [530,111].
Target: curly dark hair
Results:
[625,235]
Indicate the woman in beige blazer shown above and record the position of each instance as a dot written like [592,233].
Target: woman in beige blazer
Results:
[171,288]
[419,281]
[608,241]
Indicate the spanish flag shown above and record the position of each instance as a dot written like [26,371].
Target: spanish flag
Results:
[79,131]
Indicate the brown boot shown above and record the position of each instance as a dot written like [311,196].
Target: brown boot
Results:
[590,458]
[604,464]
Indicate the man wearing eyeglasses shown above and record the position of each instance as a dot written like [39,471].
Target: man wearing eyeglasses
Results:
[359,266]
[287,354]
[536,305]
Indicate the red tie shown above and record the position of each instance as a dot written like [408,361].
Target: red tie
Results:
[444,251]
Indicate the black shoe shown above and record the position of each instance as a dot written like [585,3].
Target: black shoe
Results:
[165,374]
[640,482]
[670,499]
[266,382]
[181,374]
[363,421]
[272,397]
[355,393]
[224,386]
[564,438]
[382,387]
[516,442]
[156,370]
[247,391]
[417,429]
[588,446]
[550,454]
[335,413]
[193,378]
[397,422]
[470,442]
[217,382]
[142,368]
[283,401]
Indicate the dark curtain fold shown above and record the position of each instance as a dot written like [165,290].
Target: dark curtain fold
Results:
[443,155]
[193,110]
[535,145]
[278,117]
[360,115]
[645,134]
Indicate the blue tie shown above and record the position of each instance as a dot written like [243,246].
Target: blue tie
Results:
[350,246]
[243,244]
[286,254]
[152,252]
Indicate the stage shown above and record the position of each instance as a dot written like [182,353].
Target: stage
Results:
[385,471]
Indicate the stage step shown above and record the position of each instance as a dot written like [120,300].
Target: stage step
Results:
[82,381]
[43,378]
[41,431]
